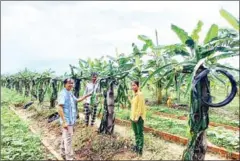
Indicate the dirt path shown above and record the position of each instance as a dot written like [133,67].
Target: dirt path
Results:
[155,148]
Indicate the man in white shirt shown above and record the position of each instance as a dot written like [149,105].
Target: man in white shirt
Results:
[90,87]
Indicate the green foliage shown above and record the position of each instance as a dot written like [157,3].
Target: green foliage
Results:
[168,110]
[224,138]
[224,120]
[196,31]
[211,34]
[230,18]
[216,135]
[213,116]
[182,35]
[167,125]
[12,97]
[163,70]
[17,142]
[147,40]
[123,114]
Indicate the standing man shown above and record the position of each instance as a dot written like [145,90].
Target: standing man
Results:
[68,114]
[90,88]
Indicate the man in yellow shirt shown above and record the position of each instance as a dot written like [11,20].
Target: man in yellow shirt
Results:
[138,115]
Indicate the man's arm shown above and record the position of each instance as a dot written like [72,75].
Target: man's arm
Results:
[83,98]
[61,114]
[61,101]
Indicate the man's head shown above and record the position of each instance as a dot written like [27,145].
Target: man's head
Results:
[94,76]
[68,83]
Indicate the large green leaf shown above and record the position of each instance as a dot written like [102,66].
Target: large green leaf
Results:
[182,35]
[182,77]
[196,31]
[224,56]
[214,74]
[155,72]
[234,43]
[158,48]
[230,18]
[123,60]
[188,63]
[170,81]
[147,40]
[212,33]
[207,52]
[228,33]
[145,47]
[189,83]
[228,41]
[225,67]
[176,49]
[181,52]
[126,66]
[151,63]
[162,76]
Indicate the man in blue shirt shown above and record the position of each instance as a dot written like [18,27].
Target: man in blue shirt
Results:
[68,115]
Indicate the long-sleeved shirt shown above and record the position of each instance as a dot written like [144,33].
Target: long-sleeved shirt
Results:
[138,107]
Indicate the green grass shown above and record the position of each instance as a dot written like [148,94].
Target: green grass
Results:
[224,120]
[158,123]
[167,125]
[123,114]
[168,110]
[12,97]
[224,138]
[18,143]
[213,115]
[217,135]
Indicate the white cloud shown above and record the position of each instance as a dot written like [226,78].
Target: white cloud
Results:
[44,34]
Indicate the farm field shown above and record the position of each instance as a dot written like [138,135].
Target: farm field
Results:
[87,142]
[81,62]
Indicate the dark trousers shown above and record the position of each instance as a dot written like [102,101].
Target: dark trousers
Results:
[138,131]
[88,112]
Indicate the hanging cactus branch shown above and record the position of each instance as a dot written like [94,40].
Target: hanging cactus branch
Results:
[200,101]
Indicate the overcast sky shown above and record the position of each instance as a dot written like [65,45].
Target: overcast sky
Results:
[41,35]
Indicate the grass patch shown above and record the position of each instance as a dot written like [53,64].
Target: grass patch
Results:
[168,110]
[217,135]
[10,97]
[213,115]
[224,138]
[18,143]
[224,120]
